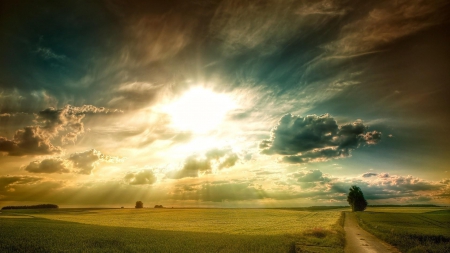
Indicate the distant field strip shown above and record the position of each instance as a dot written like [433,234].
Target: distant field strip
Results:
[230,221]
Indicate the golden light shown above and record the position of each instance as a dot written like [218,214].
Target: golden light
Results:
[199,110]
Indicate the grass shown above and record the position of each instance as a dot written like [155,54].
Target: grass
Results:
[410,230]
[171,230]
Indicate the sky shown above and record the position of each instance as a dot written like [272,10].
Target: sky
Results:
[278,103]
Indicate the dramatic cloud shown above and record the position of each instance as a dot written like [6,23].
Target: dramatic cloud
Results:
[315,138]
[384,187]
[48,166]
[68,119]
[382,61]
[81,163]
[85,162]
[386,22]
[140,177]
[264,26]
[31,140]
[214,159]
[36,140]
[409,184]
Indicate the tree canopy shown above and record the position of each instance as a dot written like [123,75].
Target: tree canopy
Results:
[356,199]
[139,204]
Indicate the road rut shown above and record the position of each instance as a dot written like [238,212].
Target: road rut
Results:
[357,240]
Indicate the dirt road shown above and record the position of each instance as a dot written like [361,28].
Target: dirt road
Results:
[359,241]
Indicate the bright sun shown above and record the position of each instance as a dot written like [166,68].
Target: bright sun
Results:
[199,110]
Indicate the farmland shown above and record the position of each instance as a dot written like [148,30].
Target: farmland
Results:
[171,230]
[409,229]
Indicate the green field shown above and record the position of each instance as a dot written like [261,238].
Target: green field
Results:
[171,230]
[410,229]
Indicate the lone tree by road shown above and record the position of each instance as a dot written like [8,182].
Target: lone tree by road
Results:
[139,204]
[356,199]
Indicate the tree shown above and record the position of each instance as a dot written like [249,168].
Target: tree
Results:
[356,199]
[139,204]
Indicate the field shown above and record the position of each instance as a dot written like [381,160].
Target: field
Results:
[171,230]
[409,229]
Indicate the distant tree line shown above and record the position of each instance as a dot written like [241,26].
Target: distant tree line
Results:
[31,207]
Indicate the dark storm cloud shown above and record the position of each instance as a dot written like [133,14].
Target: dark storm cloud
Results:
[315,138]
[52,165]
[30,140]
[295,134]
[140,177]
[214,158]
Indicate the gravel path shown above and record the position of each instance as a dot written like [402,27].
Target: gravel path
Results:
[359,241]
